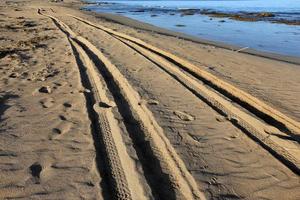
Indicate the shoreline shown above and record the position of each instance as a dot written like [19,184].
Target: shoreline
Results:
[123,20]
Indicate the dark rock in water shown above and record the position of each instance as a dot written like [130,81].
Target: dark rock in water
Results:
[138,11]
[265,14]
[222,21]
[153,15]
[86,9]
[189,12]
[289,22]
[102,3]
[247,16]
[180,25]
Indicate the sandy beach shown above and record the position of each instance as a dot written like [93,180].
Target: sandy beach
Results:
[97,106]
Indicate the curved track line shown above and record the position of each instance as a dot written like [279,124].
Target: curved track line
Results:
[287,152]
[125,177]
[252,125]
[255,105]
[108,125]
[179,176]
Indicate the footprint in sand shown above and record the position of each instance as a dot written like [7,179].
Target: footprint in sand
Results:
[14,75]
[45,89]
[98,107]
[63,118]
[184,116]
[56,130]
[67,105]
[35,170]
[47,102]
[61,129]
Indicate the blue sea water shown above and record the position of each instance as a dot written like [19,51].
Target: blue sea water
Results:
[262,35]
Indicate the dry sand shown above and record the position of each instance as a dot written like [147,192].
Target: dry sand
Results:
[93,109]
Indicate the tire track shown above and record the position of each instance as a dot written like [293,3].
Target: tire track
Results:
[249,102]
[270,136]
[179,179]
[254,127]
[107,125]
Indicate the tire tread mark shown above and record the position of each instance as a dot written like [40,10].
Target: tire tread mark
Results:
[250,125]
[179,176]
[266,112]
[120,188]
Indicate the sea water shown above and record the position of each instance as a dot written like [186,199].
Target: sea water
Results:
[261,35]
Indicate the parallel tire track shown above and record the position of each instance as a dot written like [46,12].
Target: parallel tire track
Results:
[251,125]
[248,101]
[106,121]
[180,179]
[255,128]
[107,126]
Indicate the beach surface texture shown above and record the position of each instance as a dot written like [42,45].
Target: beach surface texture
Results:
[97,106]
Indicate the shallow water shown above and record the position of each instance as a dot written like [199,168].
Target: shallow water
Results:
[262,35]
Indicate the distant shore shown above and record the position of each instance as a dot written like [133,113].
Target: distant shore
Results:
[234,30]
[149,27]
[243,16]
